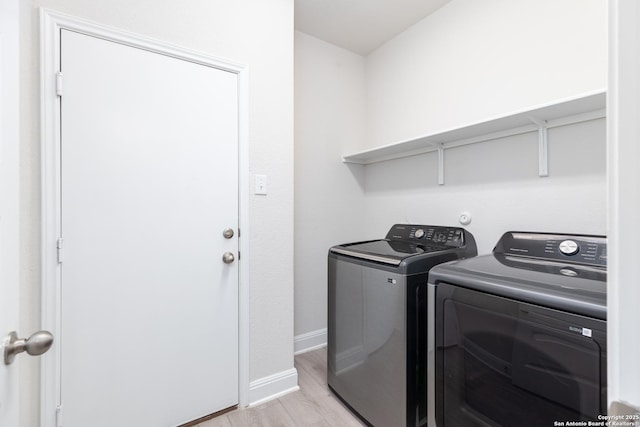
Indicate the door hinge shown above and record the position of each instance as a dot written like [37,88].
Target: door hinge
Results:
[59,249]
[59,83]
[59,416]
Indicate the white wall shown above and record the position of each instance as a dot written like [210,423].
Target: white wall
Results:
[251,32]
[329,119]
[624,203]
[468,62]
[474,60]
[497,183]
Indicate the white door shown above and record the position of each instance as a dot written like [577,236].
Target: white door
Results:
[8,205]
[149,181]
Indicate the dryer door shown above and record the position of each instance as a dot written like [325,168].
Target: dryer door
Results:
[502,362]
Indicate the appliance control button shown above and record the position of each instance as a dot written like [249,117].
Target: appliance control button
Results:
[569,247]
[419,233]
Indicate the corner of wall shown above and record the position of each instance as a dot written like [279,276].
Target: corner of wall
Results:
[273,386]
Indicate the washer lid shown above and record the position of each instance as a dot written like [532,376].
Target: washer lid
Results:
[386,251]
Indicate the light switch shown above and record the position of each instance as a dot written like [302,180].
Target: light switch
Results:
[261,185]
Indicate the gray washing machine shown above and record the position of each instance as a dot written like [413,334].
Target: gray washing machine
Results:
[377,320]
[518,337]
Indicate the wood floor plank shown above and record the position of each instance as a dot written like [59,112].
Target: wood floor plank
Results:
[304,411]
[270,414]
[312,379]
[315,362]
[314,405]
[314,365]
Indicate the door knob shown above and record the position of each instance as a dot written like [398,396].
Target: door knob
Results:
[227,233]
[228,258]
[37,344]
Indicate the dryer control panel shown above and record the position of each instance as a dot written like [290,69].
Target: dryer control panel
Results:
[428,234]
[579,249]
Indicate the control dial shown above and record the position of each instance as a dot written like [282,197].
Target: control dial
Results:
[419,234]
[569,247]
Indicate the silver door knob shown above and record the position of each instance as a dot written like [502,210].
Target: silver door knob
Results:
[228,258]
[227,233]
[37,344]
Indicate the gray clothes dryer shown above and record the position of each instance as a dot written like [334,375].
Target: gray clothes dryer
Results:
[518,337]
[377,320]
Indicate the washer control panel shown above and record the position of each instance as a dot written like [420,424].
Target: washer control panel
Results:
[579,249]
[428,234]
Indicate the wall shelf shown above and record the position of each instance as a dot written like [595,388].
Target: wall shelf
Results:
[583,108]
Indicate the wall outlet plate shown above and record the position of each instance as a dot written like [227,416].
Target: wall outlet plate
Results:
[465,218]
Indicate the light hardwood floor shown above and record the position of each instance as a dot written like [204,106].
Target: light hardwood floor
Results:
[313,405]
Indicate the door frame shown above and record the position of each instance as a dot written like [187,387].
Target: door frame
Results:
[51,23]
[10,375]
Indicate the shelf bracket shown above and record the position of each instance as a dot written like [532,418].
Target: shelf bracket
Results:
[440,164]
[543,155]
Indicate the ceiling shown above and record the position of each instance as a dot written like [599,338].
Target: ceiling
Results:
[360,26]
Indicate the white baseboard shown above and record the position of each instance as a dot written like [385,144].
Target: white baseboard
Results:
[273,386]
[309,341]
[284,382]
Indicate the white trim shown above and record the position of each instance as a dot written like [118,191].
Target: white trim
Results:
[623,229]
[310,341]
[244,307]
[273,386]
[51,23]
[613,214]
[50,184]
